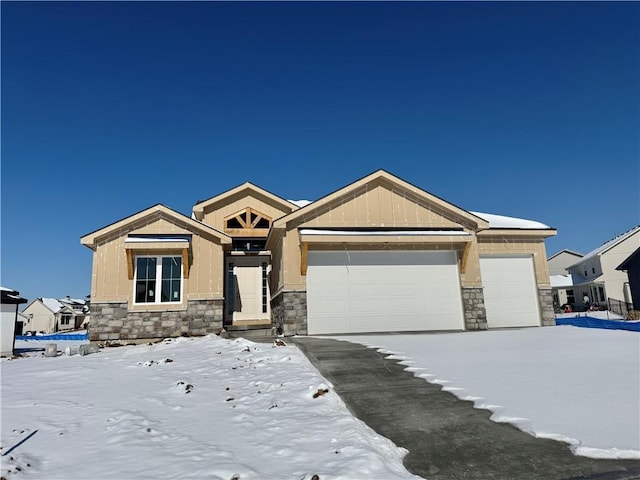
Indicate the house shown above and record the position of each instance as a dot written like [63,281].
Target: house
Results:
[631,265]
[50,315]
[10,299]
[379,254]
[561,282]
[559,262]
[596,276]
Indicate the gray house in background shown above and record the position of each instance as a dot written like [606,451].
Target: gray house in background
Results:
[559,262]
[631,265]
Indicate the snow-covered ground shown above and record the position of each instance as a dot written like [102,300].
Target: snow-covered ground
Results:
[191,408]
[577,385]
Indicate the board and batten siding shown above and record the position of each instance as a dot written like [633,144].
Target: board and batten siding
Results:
[110,282]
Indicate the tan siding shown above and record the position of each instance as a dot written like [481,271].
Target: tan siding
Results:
[110,280]
[497,245]
[377,206]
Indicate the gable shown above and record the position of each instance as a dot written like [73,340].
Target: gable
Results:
[154,220]
[216,210]
[381,200]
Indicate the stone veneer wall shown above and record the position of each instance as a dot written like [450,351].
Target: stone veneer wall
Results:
[289,313]
[545,297]
[114,322]
[475,314]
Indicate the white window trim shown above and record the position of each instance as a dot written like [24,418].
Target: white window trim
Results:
[158,279]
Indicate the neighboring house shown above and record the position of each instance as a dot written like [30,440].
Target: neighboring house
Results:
[50,315]
[559,262]
[562,291]
[561,282]
[631,265]
[595,275]
[379,254]
[10,299]
[21,321]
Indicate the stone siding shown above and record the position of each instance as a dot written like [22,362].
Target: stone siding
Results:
[475,314]
[545,297]
[114,322]
[289,313]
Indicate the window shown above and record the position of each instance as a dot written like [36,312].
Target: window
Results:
[158,280]
[65,319]
[593,270]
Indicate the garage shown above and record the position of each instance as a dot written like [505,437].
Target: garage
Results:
[352,291]
[510,291]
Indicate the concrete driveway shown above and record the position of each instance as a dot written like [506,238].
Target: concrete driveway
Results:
[447,438]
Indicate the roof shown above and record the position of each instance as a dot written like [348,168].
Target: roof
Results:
[52,304]
[89,240]
[501,221]
[10,296]
[629,260]
[608,245]
[570,252]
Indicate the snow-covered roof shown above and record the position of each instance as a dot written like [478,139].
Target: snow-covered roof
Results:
[52,304]
[11,296]
[75,301]
[607,245]
[561,280]
[300,203]
[501,221]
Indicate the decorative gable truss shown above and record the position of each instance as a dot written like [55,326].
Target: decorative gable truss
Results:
[248,222]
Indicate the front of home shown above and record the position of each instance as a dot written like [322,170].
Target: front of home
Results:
[377,255]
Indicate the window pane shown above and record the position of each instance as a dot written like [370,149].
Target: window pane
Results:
[171,278]
[145,279]
[145,268]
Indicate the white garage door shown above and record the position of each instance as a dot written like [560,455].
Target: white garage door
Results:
[510,292]
[379,291]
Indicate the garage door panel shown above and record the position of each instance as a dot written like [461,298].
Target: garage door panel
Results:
[510,291]
[383,291]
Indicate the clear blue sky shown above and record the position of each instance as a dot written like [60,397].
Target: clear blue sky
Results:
[527,109]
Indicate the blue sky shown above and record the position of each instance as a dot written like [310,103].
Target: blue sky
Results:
[527,109]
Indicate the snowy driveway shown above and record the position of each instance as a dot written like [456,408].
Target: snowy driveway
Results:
[577,385]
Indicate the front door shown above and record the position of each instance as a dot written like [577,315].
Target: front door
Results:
[247,298]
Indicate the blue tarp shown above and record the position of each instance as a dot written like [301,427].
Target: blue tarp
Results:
[55,336]
[590,322]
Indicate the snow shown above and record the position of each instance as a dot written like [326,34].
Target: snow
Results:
[576,385]
[606,246]
[52,304]
[189,408]
[300,203]
[561,280]
[500,221]
[602,315]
